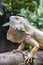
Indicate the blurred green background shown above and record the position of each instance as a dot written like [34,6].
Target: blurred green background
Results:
[31,9]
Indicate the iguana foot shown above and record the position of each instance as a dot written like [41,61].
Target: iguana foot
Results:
[28,58]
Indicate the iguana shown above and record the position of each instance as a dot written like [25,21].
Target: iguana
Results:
[33,35]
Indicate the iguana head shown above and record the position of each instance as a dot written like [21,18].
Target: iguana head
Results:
[16,32]
[16,22]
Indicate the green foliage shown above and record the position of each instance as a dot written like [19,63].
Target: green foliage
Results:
[1,13]
[28,46]
[8,7]
[6,24]
[35,17]
[0,1]
[30,9]
[22,12]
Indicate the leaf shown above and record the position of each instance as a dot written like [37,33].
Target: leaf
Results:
[1,13]
[9,7]
[38,12]
[30,47]
[34,2]
[23,11]
[41,2]
[40,23]
[23,15]
[5,24]
[33,17]
[41,19]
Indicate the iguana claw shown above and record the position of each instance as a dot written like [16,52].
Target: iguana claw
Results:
[28,59]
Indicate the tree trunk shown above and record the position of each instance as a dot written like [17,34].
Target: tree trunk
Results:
[17,58]
[38,58]
[11,58]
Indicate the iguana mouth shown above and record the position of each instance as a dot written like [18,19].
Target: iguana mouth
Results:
[16,36]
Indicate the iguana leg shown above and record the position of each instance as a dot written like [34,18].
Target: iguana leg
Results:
[21,47]
[34,50]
